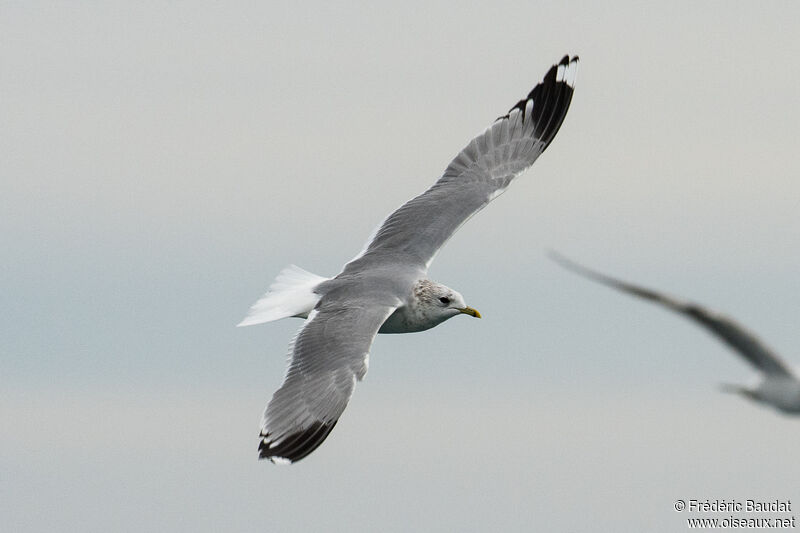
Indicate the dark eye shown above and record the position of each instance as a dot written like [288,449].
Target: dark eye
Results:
[445,300]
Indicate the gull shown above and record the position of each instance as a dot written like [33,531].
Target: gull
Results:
[385,288]
[779,386]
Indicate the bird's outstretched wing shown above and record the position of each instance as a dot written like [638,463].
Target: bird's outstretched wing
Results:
[735,335]
[477,175]
[328,355]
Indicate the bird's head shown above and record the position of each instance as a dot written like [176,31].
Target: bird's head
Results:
[440,302]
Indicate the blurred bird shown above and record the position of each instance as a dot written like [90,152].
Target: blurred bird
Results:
[779,386]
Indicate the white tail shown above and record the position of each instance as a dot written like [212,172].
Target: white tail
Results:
[291,294]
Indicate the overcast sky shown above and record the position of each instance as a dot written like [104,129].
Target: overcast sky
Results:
[161,162]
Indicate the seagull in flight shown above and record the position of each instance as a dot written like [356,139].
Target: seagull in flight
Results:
[385,288]
[779,386]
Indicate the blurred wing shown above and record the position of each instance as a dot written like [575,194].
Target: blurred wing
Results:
[479,173]
[328,355]
[746,343]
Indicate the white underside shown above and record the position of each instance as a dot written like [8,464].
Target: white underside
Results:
[291,294]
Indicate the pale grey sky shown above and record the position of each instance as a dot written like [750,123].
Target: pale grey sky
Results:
[162,162]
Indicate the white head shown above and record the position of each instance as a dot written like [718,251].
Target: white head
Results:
[436,303]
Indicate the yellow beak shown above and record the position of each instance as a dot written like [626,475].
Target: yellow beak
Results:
[470,311]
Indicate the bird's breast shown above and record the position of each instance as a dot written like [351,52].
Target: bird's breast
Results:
[406,320]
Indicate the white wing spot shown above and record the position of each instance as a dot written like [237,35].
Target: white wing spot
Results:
[571,74]
[560,73]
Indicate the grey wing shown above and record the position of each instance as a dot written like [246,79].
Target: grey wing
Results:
[479,173]
[328,355]
[735,335]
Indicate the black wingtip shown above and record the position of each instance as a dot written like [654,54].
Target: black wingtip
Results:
[551,98]
[295,446]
